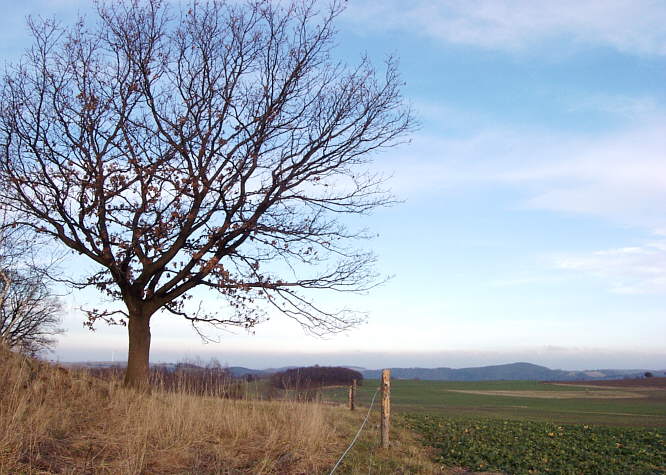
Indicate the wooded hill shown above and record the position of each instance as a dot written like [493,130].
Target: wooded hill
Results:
[513,371]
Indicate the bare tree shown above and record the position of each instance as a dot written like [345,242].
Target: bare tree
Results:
[29,314]
[29,311]
[14,244]
[210,147]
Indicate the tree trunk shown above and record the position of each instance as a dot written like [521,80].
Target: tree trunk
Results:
[136,375]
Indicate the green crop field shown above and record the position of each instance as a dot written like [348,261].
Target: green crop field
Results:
[526,447]
[522,400]
[532,427]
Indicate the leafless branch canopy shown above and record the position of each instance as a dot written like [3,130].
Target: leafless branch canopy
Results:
[215,146]
[29,311]
[29,314]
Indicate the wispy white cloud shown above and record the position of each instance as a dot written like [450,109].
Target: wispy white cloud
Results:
[627,270]
[617,175]
[627,25]
[620,176]
[625,107]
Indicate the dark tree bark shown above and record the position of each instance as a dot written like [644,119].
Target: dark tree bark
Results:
[210,147]
[139,350]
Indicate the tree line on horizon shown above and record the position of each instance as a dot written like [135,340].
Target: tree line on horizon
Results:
[313,377]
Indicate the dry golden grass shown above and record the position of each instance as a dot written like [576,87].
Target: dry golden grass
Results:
[406,455]
[54,420]
[65,421]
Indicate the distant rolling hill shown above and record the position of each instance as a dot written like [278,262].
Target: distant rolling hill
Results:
[513,371]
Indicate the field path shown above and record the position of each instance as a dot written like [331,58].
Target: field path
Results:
[602,394]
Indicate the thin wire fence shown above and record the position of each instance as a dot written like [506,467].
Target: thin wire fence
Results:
[357,433]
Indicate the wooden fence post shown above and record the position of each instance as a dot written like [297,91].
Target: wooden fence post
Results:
[352,395]
[386,407]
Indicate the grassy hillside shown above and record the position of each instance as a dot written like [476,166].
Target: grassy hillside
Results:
[54,420]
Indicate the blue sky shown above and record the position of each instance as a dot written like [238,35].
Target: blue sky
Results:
[533,226]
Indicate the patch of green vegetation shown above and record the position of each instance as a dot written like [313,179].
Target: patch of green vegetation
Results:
[528,447]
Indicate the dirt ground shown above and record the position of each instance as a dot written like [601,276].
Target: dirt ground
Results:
[642,383]
[592,394]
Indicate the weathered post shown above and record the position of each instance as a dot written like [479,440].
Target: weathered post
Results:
[386,407]
[352,395]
